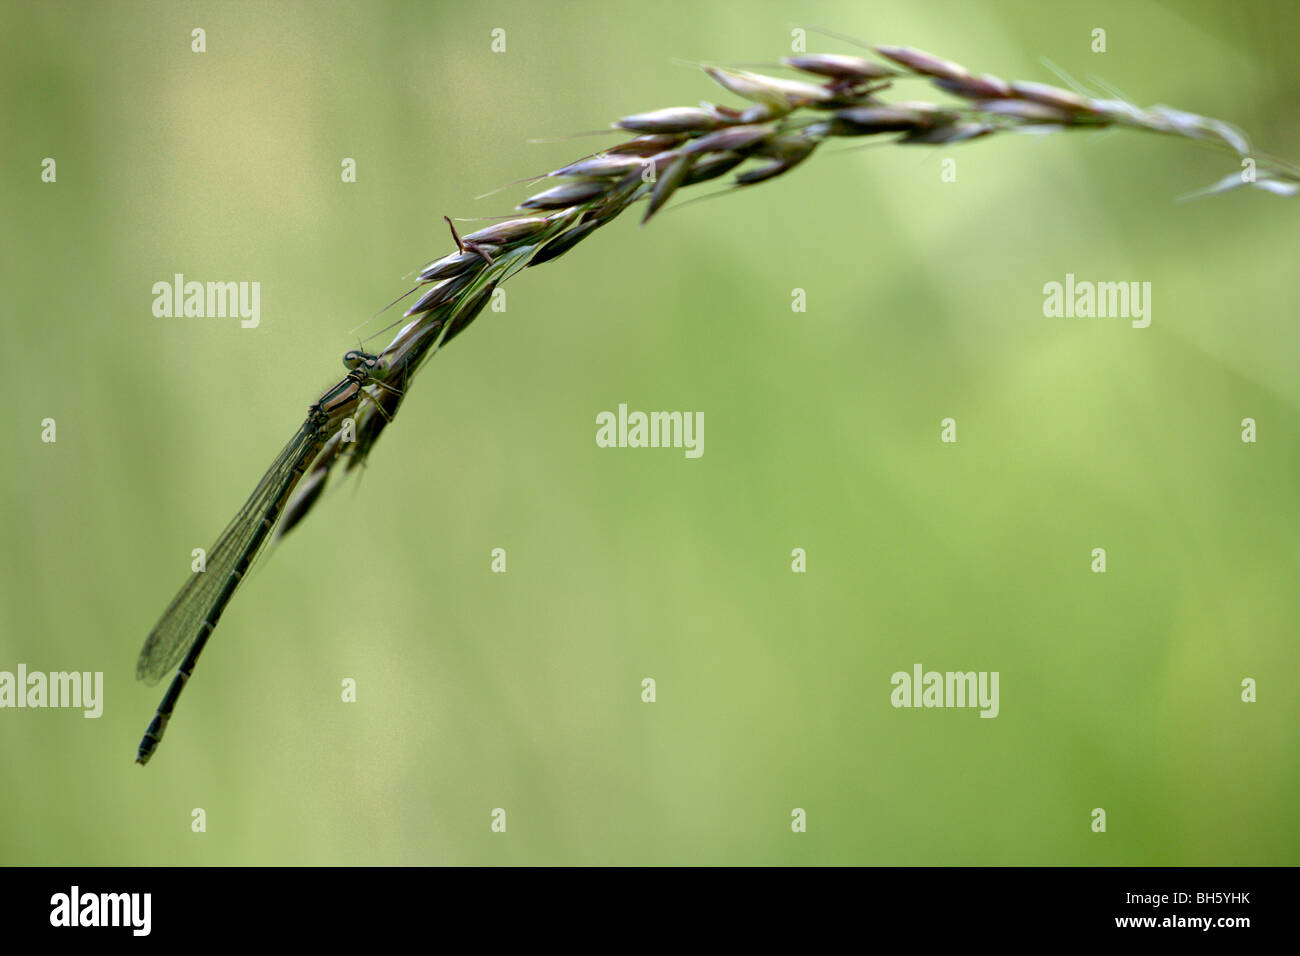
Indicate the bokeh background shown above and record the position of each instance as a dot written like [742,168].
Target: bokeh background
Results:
[523,691]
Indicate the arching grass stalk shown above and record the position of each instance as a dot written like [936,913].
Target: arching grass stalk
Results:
[785,121]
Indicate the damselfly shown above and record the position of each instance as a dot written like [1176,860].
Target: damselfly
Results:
[188,622]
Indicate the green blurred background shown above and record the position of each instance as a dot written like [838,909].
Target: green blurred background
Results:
[523,690]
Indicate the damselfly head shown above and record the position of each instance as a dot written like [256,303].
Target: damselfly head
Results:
[355,359]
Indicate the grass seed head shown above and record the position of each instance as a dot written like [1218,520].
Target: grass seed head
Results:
[680,147]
